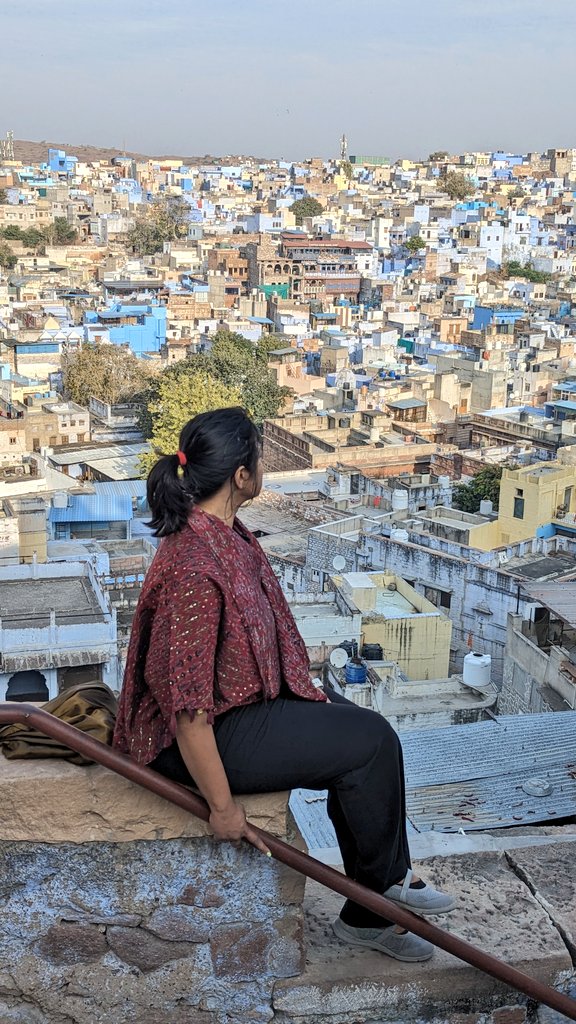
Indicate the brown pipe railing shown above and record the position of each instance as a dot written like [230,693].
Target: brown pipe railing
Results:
[71,737]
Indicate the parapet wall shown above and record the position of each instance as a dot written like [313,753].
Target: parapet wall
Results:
[118,907]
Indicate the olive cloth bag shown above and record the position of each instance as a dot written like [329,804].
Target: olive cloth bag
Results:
[90,707]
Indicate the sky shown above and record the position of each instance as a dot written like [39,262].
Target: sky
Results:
[285,78]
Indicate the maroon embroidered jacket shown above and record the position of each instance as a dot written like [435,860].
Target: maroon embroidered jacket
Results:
[212,631]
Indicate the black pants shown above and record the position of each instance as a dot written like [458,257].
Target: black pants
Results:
[352,752]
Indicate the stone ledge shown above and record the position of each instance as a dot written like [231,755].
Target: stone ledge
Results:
[496,912]
[54,802]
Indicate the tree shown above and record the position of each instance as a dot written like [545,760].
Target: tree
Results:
[484,486]
[515,269]
[13,232]
[60,232]
[415,243]
[306,207]
[179,397]
[457,185]
[438,154]
[107,372]
[3,196]
[234,363]
[33,239]
[7,258]
[164,221]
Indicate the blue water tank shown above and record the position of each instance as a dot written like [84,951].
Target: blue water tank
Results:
[355,672]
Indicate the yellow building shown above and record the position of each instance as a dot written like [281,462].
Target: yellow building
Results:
[530,498]
[410,629]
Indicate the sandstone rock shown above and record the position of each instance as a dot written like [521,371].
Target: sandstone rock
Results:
[202,896]
[243,952]
[178,924]
[142,949]
[82,805]
[72,944]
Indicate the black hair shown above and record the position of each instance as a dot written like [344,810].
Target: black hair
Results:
[215,444]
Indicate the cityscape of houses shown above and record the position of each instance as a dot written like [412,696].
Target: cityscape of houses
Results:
[404,334]
[418,321]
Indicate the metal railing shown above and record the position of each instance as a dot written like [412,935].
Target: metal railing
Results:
[69,736]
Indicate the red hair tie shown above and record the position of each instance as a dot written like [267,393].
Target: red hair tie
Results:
[181,458]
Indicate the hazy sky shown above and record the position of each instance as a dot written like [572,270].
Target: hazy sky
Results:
[285,78]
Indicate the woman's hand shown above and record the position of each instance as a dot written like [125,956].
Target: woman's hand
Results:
[230,823]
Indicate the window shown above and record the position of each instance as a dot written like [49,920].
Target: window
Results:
[438,597]
[52,440]
[518,508]
[13,440]
[35,444]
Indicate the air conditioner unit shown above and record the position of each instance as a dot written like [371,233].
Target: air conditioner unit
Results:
[503,557]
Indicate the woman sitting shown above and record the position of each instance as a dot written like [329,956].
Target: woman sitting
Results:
[217,691]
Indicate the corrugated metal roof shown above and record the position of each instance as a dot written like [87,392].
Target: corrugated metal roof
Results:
[471,776]
[559,598]
[93,508]
[128,488]
[81,455]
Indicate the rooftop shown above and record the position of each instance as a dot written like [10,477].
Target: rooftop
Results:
[27,602]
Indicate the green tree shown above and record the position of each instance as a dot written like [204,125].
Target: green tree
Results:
[306,207]
[13,232]
[107,372]
[236,361]
[485,485]
[515,269]
[457,185]
[179,396]
[233,362]
[415,243]
[60,232]
[7,258]
[438,154]
[33,238]
[3,196]
[165,220]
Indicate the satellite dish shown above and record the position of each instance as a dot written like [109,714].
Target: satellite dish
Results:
[339,563]
[338,657]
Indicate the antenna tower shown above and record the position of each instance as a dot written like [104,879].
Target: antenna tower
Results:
[7,146]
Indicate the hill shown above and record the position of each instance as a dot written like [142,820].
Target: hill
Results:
[37,152]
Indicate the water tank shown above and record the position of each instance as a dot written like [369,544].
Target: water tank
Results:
[372,652]
[399,500]
[400,535]
[60,499]
[351,647]
[477,670]
[355,672]
[444,481]
[486,507]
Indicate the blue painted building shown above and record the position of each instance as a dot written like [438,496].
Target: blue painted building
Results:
[104,516]
[59,163]
[142,327]
[485,316]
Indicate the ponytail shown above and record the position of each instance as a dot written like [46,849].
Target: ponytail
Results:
[167,496]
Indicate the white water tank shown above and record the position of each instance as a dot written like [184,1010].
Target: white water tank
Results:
[60,499]
[486,507]
[444,481]
[400,535]
[399,500]
[477,670]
